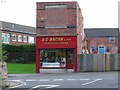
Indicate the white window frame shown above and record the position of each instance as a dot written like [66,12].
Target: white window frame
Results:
[4,40]
[13,36]
[24,38]
[111,38]
[30,40]
[19,36]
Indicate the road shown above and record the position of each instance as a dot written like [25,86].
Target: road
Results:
[68,80]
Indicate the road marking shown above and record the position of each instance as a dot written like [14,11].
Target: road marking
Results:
[71,79]
[84,79]
[58,79]
[29,80]
[22,84]
[45,86]
[44,80]
[91,81]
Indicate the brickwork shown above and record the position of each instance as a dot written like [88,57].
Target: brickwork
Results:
[60,19]
[105,42]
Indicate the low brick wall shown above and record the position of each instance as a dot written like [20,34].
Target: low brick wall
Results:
[3,73]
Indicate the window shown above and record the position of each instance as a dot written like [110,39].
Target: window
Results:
[93,48]
[24,38]
[107,49]
[19,38]
[101,49]
[5,38]
[13,37]
[31,39]
[111,39]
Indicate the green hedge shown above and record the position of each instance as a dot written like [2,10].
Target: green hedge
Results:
[20,53]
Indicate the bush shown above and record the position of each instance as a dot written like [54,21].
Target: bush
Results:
[20,53]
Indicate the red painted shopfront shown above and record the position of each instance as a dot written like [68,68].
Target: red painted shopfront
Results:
[56,52]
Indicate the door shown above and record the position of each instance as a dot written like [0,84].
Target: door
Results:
[70,58]
[101,50]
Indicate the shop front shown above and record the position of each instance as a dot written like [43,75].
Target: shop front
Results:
[56,52]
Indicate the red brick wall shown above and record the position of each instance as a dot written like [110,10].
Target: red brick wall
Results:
[105,42]
[71,16]
[67,17]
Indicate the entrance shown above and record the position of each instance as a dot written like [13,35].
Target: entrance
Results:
[56,58]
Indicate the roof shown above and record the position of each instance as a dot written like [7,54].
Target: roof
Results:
[17,27]
[102,32]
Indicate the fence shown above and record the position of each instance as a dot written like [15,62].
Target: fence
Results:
[98,62]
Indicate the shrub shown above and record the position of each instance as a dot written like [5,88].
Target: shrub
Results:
[20,53]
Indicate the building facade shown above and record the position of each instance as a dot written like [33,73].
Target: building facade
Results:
[102,40]
[16,34]
[60,35]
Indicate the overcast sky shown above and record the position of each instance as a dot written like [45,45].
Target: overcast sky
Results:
[96,13]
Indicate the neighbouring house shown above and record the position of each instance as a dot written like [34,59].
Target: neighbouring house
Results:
[16,34]
[102,40]
[60,35]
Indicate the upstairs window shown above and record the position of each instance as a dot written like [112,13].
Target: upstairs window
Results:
[19,38]
[31,39]
[5,38]
[111,39]
[24,38]
[13,37]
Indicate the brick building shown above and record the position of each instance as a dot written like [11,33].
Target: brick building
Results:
[102,40]
[60,35]
[12,33]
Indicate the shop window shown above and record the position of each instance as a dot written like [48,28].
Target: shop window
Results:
[5,38]
[13,37]
[31,39]
[24,38]
[111,39]
[53,58]
[19,38]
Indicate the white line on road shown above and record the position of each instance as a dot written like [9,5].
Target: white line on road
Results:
[45,86]
[92,81]
[84,79]
[58,79]
[29,80]
[44,80]
[22,84]
[71,79]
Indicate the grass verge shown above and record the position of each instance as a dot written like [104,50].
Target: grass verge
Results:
[15,68]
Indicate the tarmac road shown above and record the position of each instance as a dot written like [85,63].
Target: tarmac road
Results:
[80,81]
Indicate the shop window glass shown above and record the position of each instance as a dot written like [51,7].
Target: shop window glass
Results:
[53,58]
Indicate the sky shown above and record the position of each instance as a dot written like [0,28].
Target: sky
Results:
[96,13]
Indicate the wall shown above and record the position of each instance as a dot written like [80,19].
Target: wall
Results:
[17,33]
[104,41]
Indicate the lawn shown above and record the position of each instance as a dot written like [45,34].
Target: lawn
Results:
[15,68]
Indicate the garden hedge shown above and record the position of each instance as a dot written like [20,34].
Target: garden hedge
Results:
[20,53]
